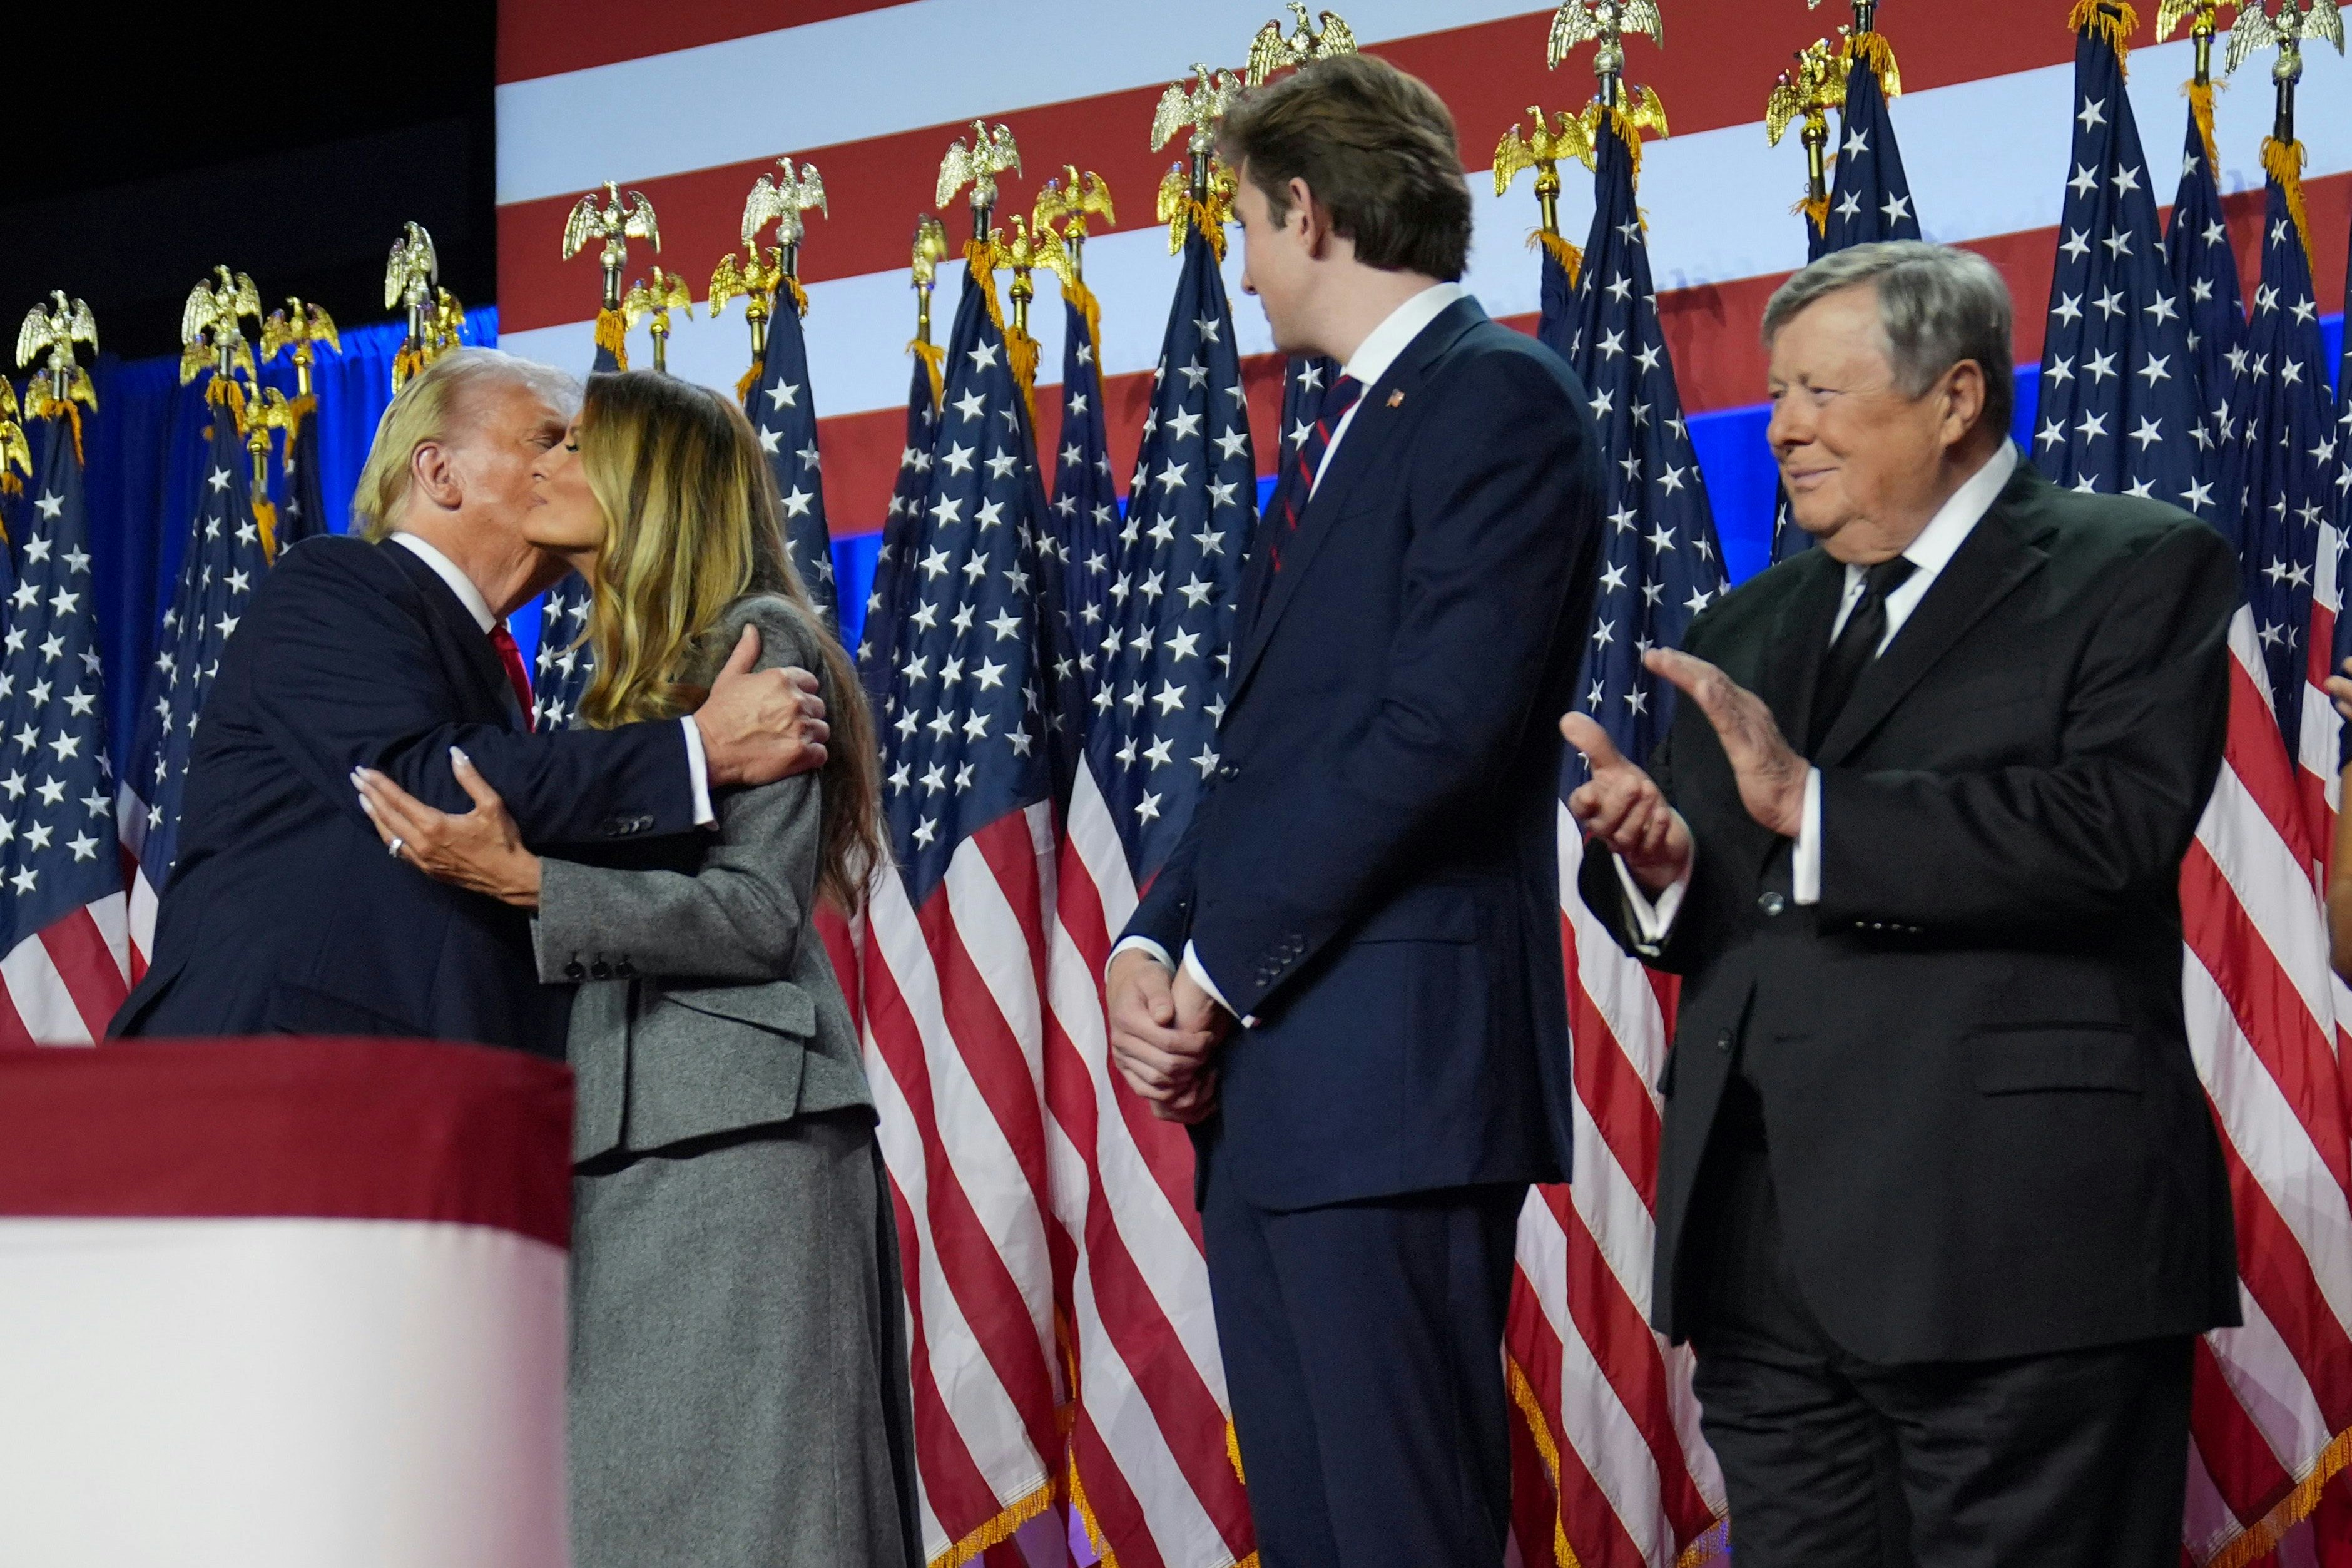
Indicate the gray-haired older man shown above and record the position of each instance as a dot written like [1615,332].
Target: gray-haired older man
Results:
[1939,1201]
[283,913]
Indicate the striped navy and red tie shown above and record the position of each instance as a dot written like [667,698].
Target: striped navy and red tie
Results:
[1297,485]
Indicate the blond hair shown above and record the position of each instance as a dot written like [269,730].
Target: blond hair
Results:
[691,524]
[436,407]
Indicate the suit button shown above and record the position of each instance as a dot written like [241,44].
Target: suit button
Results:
[1228,771]
[625,970]
[601,970]
[1723,1039]
[1771,904]
[575,970]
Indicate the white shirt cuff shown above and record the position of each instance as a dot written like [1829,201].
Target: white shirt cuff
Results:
[1805,862]
[1145,944]
[1654,919]
[697,771]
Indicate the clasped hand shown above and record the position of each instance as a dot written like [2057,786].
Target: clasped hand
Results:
[480,851]
[1163,1031]
[1623,807]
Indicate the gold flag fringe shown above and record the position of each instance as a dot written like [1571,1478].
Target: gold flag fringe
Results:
[52,410]
[2283,161]
[613,333]
[1002,1528]
[265,515]
[744,383]
[1872,49]
[1816,211]
[2261,1537]
[935,359]
[792,286]
[1570,259]
[1523,1394]
[405,366]
[2200,108]
[222,392]
[1020,348]
[2111,19]
[303,406]
[1234,1449]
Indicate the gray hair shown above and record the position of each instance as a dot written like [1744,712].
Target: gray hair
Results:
[1937,305]
[435,404]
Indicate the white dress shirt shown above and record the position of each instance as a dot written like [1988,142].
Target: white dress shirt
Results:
[1928,555]
[1370,362]
[697,766]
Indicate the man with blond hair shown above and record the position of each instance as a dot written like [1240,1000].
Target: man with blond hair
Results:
[283,914]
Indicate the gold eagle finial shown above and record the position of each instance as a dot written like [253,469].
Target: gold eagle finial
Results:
[302,328]
[1069,200]
[2297,20]
[781,200]
[1606,22]
[617,222]
[1562,136]
[657,297]
[209,332]
[53,333]
[1270,51]
[15,454]
[992,153]
[1807,90]
[1201,103]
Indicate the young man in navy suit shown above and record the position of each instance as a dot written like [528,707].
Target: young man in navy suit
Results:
[1347,975]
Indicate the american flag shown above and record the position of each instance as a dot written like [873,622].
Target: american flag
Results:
[1085,496]
[223,565]
[2270,1396]
[2119,399]
[63,939]
[2280,460]
[886,603]
[565,662]
[1613,1411]
[2204,268]
[783,411]
[303,510]
[1869,202]
[1148,1461]
[955,958]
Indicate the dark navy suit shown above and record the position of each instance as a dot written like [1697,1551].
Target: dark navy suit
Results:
[284,913]
[1373,878]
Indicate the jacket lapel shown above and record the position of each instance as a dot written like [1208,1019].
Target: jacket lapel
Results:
[1368,445]
[1991,563]
[1800,637]
[458,629]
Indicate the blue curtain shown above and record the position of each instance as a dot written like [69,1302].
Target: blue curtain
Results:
[145,448]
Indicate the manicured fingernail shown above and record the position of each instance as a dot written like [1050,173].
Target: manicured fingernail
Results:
[457,755]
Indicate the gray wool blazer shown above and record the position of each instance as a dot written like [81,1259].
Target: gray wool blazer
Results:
[707,1003]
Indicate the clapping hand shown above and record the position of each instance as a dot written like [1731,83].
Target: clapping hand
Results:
[1624,808]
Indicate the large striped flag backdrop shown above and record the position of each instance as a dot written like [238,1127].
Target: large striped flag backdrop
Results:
[2274,1399]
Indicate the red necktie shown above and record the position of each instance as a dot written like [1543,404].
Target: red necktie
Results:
[517,677]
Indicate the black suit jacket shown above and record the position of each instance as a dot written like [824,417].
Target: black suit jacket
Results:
[1373,872]
[1987,1136]
[285,913]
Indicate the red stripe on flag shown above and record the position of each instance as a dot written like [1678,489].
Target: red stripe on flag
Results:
[2274,1271]
[1610,1085]
[13,1034]
[541,37]
[1113,1516]
[2272,1015]
[992,1302]
[959,1494]
[2245,1472]
[88,966]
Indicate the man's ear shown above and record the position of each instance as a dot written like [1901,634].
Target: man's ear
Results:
[433,471]
[1964,400]
[1308,217]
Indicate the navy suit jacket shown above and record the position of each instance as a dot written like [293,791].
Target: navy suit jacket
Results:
[1373,873]
[284,913]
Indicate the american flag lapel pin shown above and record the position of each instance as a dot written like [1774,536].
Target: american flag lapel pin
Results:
[1396,397]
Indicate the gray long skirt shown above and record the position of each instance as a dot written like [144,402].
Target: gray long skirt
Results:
[739,1360]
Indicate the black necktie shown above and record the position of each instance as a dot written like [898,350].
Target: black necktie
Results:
[1855,647]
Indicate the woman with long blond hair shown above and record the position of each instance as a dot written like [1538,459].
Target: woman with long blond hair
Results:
[738,1371]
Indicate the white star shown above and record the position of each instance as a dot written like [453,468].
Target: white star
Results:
[2078,244]
[983,355]
[796,502]
[2094,112]
[1897,208]
[1857,143]
[2148,434]
[785,395]
[2084,181]
[1147,808]
[219,481]
[84,846]
[772,441]
[971,405]
[2069,309]
[51,504]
